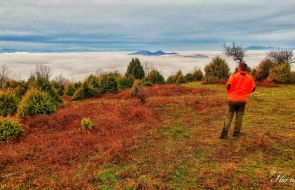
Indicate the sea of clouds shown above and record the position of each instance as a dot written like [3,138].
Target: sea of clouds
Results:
[78,66]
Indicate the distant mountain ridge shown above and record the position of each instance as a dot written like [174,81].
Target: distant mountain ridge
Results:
[264,48]
[148,53]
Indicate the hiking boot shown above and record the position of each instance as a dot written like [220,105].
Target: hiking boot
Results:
[223,134]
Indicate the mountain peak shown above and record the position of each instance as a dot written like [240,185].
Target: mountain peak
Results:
[148,53]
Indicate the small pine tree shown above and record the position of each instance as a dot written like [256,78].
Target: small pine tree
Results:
[19,88]
[135,69]
[198,75]
[155,77]
[36,102]
[262,71]
[216,71]
[281,73]
[8,103]
[173,78]
[180,79]
[189,77]
[70,89]
[89,88]
[109,83]
[9,129]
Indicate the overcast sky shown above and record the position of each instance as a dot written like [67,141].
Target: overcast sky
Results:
[146,24]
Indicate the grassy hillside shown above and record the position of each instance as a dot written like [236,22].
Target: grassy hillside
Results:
[170,142]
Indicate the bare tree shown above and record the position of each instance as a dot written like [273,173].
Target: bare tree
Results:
[235,51]
[61,80]
[42,71]
[4,74]
[148,67]
[281,56]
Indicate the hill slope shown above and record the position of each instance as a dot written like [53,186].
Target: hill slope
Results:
[170,142]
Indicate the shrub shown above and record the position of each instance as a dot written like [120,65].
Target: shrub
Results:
[198,75]
[86,123]
[108,83]
[44,85]
[9,129]
[70,89]
[77,84]
[180,79]
[155,77]
[78,95]
[19,88]
[8,103]
[216,71]
[138,91]
[189,77]
[173,78]
[262,71]
[125,82]
[89,88]
[281,73]
[86,91]
[148,83]
[59,88]
[36,102]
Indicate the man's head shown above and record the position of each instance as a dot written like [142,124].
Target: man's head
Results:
[242,66]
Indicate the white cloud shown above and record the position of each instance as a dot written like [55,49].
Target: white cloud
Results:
[144,22]
[80,65]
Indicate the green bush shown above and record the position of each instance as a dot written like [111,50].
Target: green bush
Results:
[173,78]
[216,71]
[9,129]
[59,88]
[70,89]
[148,83]
[89,88]
[44,85]
[19,88]
[108,83]
[125,82]
[180,79]
[262,71]
[36,102]
[86,91]
[155,77]
[281,73]
[79,94]
[86,123]
[198,75]
[8,103]
[189,77]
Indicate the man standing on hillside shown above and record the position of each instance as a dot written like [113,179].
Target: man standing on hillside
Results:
[238,86]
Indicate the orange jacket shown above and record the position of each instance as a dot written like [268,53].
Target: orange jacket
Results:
[241,84]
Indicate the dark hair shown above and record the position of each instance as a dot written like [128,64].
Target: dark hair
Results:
[242,66]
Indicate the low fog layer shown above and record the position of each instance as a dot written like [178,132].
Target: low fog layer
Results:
[78,66]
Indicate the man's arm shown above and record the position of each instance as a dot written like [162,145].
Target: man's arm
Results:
[229,82]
